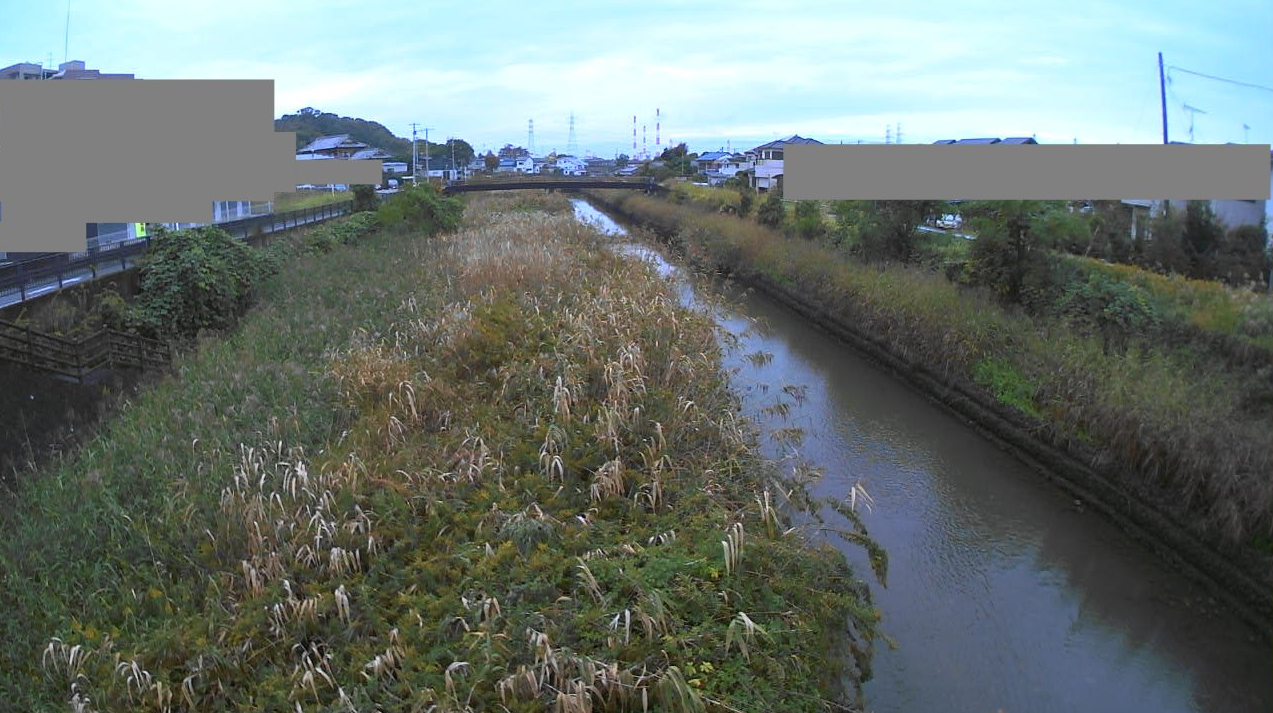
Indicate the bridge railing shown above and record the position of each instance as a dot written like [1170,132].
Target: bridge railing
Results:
[24,279]
[547,178]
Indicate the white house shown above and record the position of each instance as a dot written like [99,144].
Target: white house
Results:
[766,170]
[571,166]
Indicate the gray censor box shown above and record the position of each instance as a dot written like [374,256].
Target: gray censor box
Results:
[1027,172]
[79,152]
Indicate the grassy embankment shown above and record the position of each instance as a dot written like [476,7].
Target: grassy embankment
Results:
[298,200]
[493,470]
[1167,420]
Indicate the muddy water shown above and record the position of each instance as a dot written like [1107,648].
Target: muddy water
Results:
[1003,593]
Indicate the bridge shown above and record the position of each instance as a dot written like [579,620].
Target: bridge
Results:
[555,183]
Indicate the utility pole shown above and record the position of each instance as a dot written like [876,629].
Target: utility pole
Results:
[1162,94]
[415,155]
[426,152]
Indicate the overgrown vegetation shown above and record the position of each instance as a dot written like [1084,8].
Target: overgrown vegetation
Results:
[300,200]
[421,208]
[495,470]
[1193,432]
[195,279]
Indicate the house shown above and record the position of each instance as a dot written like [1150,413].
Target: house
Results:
[395,167]
[370,154]
[766,169]
[338,146]
[600,166]
[570,166]
[722,168]
[542,164]
[442,168]
[705,161]
[1018,140]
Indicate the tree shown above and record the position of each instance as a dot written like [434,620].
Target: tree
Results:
[1111,232]
[678,160]
[808,220]
[511,151]
[771,212]
[1244,257]
[463,151]
[1010,254]
[889,230]
[1114,309]
[365,198]
[491,161]
[621,160]
[1203,238]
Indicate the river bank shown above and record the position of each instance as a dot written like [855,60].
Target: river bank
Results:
[935,358]
[1003,592]
[495,468]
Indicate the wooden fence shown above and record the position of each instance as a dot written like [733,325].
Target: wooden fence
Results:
[79,359]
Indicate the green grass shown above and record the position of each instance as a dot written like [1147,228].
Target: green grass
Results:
[1007,384]
[494,470]
[299,200]
[1205,305]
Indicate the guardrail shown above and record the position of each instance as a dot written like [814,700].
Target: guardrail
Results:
[25,279]
[79,359]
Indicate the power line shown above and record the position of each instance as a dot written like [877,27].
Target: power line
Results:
[1221,79]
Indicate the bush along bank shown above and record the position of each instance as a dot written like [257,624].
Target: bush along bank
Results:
[498,469]
[1160,441]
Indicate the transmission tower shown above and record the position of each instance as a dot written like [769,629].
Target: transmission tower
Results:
[572,145]
[530,136]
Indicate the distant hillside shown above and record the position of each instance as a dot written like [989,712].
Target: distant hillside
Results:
[310,123]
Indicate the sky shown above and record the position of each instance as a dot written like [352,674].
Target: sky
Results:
[721,74]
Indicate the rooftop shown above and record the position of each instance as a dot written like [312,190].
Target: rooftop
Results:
[331,143]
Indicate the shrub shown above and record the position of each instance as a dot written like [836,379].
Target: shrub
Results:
[1114,309]
[770,213]
[421,208]
[365,198]
[809,224]
[194,279]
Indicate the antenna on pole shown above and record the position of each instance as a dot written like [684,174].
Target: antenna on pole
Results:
[1162,94]
[1193,112]
[66,41]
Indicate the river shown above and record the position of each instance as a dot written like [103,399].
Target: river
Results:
[1003,593]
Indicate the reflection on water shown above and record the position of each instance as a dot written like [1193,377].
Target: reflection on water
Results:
[1003,595]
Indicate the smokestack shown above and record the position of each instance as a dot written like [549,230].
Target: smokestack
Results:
[634,144]
[657,120]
